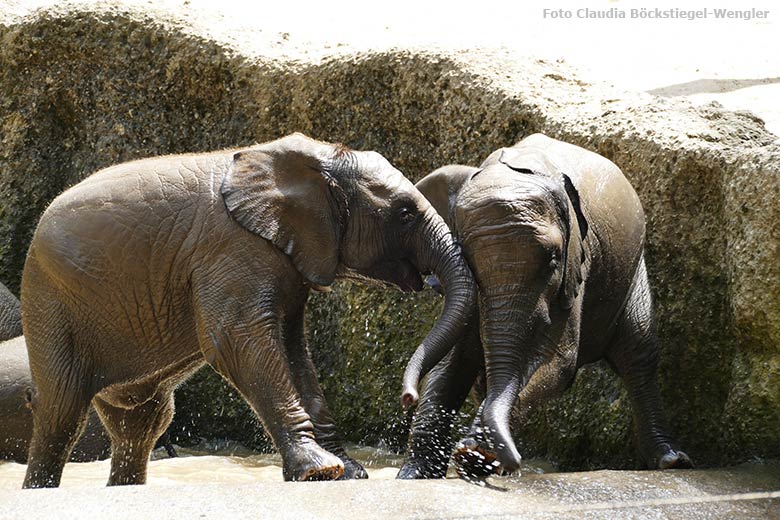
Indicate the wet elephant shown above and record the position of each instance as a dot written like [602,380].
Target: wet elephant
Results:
[554,235]
[143,272]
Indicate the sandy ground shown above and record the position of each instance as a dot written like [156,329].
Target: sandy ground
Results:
[731,61]
[223,487]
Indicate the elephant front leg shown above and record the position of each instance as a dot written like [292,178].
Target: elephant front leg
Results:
[252,358]
[304,377]
[445,390]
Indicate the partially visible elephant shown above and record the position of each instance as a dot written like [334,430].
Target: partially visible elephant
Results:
[144,271]
[16,421]
[10,315]
[554,235]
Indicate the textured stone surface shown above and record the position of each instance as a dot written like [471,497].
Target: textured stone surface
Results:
[81,89]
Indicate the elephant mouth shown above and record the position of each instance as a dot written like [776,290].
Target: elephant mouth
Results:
[400,274]
[407,277]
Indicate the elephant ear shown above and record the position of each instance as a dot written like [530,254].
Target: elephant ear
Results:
[574,249]
[282,193]
[441,187]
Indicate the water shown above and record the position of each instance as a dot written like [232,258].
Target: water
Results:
[227,479]
[219,462]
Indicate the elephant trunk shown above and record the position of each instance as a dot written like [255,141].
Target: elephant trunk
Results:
[506,371]
[438,253]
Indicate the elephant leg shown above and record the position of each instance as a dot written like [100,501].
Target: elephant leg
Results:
[133,433]
[549,382]
[304,376]
[254,361]
[240,319]
[634,356]
[445,389]
[60,401]
[58,422]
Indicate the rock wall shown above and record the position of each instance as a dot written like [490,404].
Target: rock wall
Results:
[83,88]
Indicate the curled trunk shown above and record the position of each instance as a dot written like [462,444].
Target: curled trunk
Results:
[438,253]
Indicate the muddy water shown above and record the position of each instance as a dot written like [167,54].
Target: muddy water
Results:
[221,464]
[241,484]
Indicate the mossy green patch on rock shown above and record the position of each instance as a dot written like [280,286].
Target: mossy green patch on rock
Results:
[83,88]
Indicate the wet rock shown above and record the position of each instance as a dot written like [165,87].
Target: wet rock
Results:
[211,486]
[85,87]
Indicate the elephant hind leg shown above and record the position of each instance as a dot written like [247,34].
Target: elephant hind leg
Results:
[57,425]
[133,434]
[60,398]
[634,356]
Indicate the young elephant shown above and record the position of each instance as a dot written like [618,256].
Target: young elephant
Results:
[554,235]
[144,271]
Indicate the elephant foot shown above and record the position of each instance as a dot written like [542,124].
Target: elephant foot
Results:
[307,461]
[414,470]
[474,461]
[667,457]
[353,470]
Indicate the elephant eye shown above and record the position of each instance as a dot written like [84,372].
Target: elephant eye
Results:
[555,259]
[406,214]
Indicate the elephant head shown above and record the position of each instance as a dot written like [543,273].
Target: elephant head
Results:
[523,232]
[339,213]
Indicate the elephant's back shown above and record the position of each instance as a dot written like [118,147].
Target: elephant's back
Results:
[14,365]
[16,423]
[127,217]
[144,184]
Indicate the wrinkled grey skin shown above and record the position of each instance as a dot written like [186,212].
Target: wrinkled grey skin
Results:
[16,422]
[15,416]
[144,271]
[554,235]
[10,315]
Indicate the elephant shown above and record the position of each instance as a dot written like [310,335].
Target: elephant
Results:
[10,315]
[554,235]
[145,271]
[16,422]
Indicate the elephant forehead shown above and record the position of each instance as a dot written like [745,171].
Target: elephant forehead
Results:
[383,183]
[502,191]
